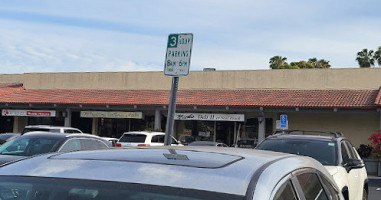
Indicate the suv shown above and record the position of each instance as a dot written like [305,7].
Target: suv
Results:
[334,151]
[144,138]
[52,129]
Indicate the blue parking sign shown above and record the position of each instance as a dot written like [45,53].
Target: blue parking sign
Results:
[283,121]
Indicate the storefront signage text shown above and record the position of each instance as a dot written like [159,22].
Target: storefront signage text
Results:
[210,117]
[29,113]
[104,114]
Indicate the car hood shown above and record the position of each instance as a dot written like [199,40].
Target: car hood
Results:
[9,158]
[332,169]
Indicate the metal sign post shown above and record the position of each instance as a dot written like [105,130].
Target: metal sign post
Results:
[177,62]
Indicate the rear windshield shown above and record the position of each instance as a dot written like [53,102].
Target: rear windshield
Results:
[322,151]
[26,188]
[29,146]
[133,138]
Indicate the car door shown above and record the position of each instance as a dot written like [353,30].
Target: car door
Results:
[355,184]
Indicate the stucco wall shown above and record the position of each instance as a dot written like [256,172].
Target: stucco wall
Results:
[355,126]
[11,78]
[239,79]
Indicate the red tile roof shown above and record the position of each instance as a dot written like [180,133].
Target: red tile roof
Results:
[362,99]
[378,98]
[10,88]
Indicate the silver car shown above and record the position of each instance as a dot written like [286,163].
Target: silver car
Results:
[167,173]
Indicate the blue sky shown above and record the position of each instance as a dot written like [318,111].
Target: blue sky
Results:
[131,35]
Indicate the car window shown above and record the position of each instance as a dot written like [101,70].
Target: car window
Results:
[332,192]
[351,151]
[157,139]
[174,141]
[344,153]
[71,145]
[29,146]
[311,187]
[322,151]
[286,192]
[89,144]
[133,138]
[71,131]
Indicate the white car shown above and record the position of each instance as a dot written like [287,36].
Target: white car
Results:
[52,129]
[335,152]
[144,138]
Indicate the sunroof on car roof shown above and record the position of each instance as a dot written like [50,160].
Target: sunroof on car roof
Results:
[156,156]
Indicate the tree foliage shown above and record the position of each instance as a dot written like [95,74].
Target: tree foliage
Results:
[279,62]
[365,58]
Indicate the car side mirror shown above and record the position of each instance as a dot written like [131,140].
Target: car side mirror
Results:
[353,163]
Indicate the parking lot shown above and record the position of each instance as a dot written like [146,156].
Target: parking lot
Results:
[374,184]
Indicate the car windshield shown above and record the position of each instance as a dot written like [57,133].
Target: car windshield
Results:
[28,188]
[29,146]
[322,151]
[133,138]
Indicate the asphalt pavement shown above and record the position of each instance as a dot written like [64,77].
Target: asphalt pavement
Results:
[374,188]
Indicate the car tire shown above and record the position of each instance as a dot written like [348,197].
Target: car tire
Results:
[364,195]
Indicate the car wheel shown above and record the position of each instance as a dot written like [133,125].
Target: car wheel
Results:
[364,195]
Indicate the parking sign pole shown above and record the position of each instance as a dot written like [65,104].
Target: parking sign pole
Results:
[171,111]
[177,62]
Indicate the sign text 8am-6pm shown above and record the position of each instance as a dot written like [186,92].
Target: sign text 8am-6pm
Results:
[177,58]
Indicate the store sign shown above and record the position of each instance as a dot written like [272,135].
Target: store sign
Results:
[105,114]
[210,117]
[29,113]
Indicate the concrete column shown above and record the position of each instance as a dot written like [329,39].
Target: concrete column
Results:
[94,126]
[68,117]
[157,125]
[261,127]
[19,123]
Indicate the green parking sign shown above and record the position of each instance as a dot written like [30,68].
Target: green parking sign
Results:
[177,58]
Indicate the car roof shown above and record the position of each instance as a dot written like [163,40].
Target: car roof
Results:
[49,127]
[204,143]
[40,134]
[231,170]
[144,133]
[303,137]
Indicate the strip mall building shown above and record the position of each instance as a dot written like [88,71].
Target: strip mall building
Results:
[211,105]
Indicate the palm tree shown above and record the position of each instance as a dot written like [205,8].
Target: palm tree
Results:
[322,64]
[365,58]
[377,56]
[277,61]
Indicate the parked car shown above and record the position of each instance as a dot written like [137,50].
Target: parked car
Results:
[334,151]
[207,143]
[144,138]
[158,173]
[53,129]
[113,141]
[35,143]
[5,137]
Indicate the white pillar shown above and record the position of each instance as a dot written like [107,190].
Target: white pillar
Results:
[68,117]
[261,127]
[157,120]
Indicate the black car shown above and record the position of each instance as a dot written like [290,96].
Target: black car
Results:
[42,142]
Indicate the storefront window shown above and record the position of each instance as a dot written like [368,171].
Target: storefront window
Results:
[6,124]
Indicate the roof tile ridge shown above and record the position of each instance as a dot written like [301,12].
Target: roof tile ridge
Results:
[378,98]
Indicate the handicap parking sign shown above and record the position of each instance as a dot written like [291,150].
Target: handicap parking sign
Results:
[283,122]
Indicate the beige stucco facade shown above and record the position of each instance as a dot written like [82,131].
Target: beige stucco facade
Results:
[356,125]
[367,78]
